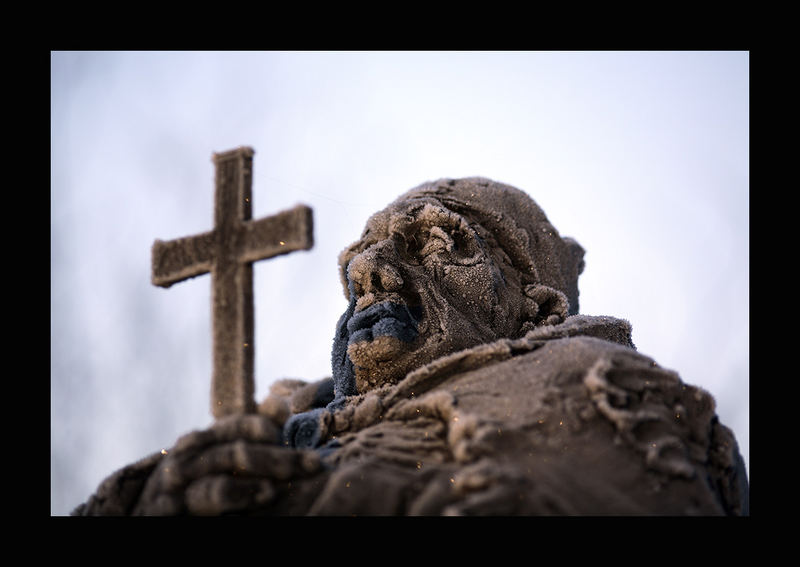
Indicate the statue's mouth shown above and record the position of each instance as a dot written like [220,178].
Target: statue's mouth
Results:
[385,319]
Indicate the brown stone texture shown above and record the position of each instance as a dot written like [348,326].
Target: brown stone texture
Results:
[466,383]
[568,420]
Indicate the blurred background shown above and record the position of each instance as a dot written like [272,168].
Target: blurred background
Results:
[643,157]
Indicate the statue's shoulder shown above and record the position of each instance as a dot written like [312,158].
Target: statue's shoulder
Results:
[555,353]
[505,428]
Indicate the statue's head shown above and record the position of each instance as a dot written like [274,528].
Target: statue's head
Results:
[449,265]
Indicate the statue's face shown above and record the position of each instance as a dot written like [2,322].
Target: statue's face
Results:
[427,282]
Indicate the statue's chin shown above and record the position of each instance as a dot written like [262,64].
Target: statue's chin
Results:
[380,361]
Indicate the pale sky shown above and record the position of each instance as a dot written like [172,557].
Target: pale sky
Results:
[643,157]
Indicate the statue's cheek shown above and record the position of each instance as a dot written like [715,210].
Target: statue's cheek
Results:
[470,289]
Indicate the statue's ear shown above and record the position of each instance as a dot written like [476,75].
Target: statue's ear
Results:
[576,253]
[571,269]
[544,306]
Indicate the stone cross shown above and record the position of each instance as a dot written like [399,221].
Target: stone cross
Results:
[228,252]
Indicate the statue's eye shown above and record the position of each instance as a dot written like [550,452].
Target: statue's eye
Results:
[411,245]
[437,241]
[450,239]
[427,242]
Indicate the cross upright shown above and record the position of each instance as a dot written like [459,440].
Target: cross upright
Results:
[228,252]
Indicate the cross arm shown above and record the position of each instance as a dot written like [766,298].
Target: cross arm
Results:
[282,233]
[182,258]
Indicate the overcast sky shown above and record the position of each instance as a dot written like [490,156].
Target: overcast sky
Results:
[643,157]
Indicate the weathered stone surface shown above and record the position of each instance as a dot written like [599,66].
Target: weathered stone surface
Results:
[464,383]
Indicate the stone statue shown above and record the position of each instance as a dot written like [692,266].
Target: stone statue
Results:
[464,381]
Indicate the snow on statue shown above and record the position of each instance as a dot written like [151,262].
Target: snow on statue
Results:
[464,381]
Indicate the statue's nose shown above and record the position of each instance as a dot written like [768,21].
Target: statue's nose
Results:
[372,272]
